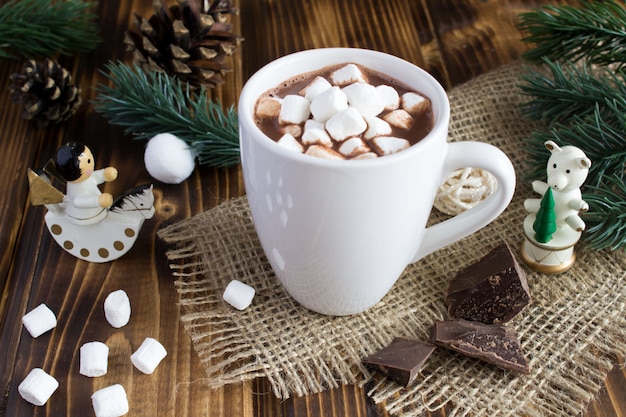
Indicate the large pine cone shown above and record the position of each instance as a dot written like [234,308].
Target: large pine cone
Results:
[188,41]
[47,92]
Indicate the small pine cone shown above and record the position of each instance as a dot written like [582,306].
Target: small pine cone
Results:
[189,41]
[47,92]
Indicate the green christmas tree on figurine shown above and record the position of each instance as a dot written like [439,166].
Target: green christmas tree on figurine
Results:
[545,222]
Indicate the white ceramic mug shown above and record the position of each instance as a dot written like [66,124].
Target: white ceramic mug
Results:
[338,234]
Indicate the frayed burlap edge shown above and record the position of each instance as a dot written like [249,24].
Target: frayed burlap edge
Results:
[572,333]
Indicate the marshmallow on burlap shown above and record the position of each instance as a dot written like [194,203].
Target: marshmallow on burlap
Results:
[323,152]
[414,103]
[376,127]
[315,88]
[288,141]
[387,145]
[349,74]
[294,109]
[399,118]
[328,103]
[148,356]
[365,98]
[39,320]
[110,401]
[37,387]
[345,124]
[94,359]
[389,96]
[117,309]
[238,294]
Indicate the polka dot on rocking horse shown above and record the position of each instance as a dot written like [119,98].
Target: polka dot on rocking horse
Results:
[68,245]
[118,245]
[56,229]
[84,252]
[103,253]
[129,232]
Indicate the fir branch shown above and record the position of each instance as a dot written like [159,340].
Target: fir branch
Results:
[46,28]
[147,104]
[594,32]
[606,218]
[567,90]
[600,136]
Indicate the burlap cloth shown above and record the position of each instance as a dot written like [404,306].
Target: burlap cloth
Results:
[572,333]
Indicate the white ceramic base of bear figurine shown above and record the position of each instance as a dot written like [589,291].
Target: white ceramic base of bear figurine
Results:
[553,257]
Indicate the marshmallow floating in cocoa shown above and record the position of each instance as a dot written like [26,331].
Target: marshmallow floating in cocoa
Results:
[345,107]
[39,320]
[37,387]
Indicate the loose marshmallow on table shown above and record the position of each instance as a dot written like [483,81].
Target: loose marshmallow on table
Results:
[365,98]
[39,320]
[346,123]
[328,103]
[110,401]
[387,145]
[38,387]
[238,294]
[94,359]
[148,356]
[117,309]
[349,74]
[294,109]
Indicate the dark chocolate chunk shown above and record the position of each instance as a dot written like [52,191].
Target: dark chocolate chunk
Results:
[401,360]
[493,290]
[494,343]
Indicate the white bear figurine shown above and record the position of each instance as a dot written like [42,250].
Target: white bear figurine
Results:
[567,170]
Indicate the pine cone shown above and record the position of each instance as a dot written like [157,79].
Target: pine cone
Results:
[188,41]
[47,92]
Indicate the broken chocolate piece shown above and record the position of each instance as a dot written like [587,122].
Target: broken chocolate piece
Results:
[494,343]
[401,360]
[493,290]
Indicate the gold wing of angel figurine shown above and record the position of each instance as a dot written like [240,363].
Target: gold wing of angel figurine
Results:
[42,191]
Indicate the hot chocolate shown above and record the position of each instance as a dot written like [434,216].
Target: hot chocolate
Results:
[345,111]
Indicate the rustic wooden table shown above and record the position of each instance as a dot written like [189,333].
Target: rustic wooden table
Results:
[453,39]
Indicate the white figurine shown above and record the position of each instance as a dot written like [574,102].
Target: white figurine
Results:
[85,222]
[567,169]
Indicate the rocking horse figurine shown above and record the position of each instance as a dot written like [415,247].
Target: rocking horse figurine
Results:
[85,222]
[554,226]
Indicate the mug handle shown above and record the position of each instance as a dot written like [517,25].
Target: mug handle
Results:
[475,155]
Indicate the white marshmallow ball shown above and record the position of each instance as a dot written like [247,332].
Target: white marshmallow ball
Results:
[169,159]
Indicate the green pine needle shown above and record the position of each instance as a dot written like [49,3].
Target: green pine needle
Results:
[569,90]
[606,218]
[147,104]
[47,28]
[594,32]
